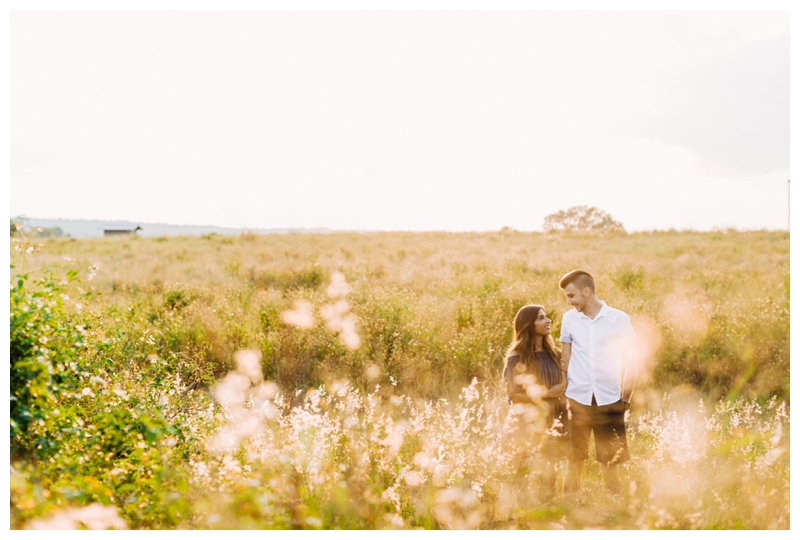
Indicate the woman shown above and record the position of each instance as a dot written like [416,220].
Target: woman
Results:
[533,358]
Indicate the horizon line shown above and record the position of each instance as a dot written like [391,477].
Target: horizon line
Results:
[719,228]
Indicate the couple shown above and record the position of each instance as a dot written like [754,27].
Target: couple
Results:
[591,370]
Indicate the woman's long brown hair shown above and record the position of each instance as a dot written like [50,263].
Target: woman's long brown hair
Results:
[524,342]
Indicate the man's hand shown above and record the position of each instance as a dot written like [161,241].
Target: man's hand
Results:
[629,376]
[557,390]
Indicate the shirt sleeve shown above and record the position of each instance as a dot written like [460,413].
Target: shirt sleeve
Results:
[566,337]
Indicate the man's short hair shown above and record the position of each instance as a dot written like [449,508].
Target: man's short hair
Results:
[580,278]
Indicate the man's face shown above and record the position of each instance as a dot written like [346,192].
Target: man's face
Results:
[576,297]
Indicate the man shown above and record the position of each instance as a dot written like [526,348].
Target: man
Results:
[595,341]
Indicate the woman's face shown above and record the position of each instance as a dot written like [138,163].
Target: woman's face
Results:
[541,327]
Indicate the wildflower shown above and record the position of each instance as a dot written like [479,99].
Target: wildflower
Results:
[338,287]
[93,517]
[373,371]
[395,520]
[248,363]
[413,478]
[449,505]
[337,314]
[393,497]
[230,391]
[302,316]
[470,393]
[315,522]
[268,390]
[395,434]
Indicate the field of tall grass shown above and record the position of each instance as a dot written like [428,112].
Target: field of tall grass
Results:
[353,381]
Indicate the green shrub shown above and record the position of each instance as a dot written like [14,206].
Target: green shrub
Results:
[176,299]
[44,347]
[82,429]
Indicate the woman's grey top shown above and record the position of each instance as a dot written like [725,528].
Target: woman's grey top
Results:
[544,368]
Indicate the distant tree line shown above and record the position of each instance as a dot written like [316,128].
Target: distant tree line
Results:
[18,229]
[582,218]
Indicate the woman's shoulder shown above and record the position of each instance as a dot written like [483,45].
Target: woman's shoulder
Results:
[511,360]
[511,363]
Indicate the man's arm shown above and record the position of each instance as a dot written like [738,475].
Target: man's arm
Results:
[630,364]
[629,375]
[566,354]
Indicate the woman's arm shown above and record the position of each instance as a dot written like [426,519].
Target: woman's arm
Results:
[558,389]
[520,397]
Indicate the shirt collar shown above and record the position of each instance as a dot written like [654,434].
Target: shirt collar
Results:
[603,311]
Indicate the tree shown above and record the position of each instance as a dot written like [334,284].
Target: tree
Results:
[18,229]
[582,218]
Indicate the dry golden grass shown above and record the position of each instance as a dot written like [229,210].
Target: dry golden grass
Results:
[435,309]
[408,426]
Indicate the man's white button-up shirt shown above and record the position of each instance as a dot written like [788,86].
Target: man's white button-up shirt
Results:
[595,366]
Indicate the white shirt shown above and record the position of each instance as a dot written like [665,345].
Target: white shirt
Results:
[595,366]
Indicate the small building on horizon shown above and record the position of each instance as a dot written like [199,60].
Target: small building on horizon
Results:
[121,230]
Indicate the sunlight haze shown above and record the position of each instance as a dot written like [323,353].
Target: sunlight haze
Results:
[442,120]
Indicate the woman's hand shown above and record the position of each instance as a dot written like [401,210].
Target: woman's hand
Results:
[520,397]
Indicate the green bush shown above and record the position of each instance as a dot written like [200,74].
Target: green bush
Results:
[44,348]
[82,429]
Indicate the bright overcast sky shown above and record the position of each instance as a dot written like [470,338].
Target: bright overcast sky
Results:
[439,120]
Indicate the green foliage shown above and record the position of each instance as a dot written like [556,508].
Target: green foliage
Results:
[629,279]
[44,347]
[308,277]
[84,431]
[176,299]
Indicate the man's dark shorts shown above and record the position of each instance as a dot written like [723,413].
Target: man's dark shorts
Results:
[608,424]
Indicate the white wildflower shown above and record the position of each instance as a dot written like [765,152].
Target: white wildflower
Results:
[302,316]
